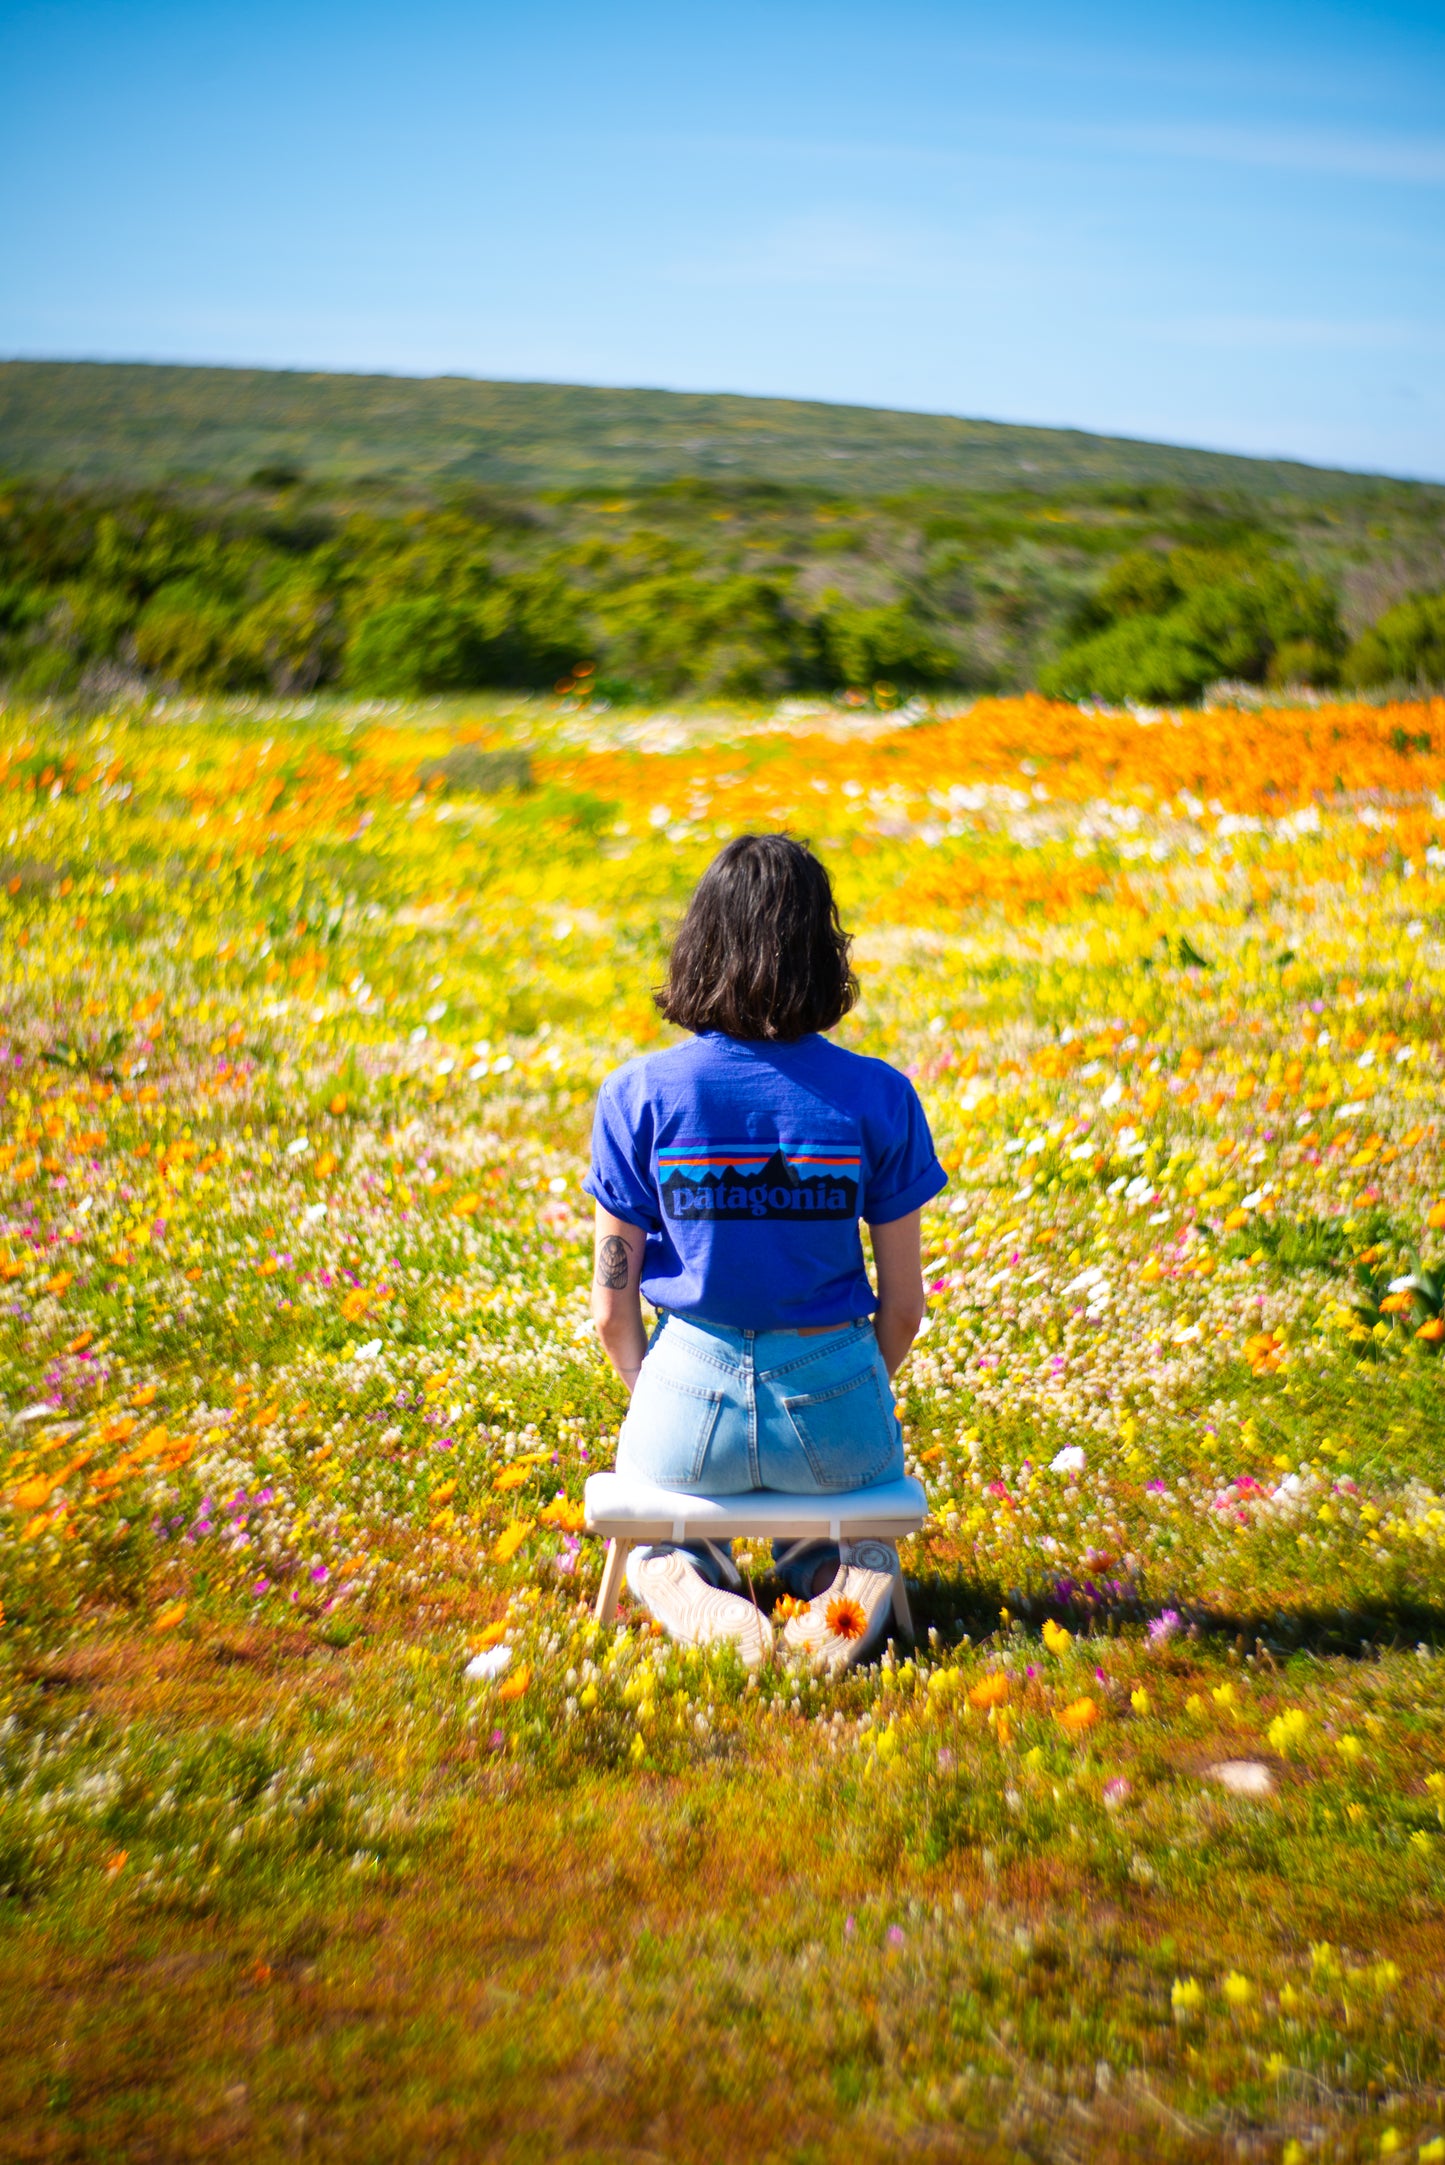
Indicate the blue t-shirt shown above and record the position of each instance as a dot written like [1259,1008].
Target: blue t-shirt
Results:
[748,1165]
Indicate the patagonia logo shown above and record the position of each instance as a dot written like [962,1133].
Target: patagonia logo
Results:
[715,1181]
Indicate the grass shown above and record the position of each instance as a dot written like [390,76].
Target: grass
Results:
[303,1032]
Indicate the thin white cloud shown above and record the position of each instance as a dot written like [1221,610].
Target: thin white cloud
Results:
[1414,161]
[1384,335]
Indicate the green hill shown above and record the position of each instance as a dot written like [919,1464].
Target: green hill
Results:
[132,423]
[232,530]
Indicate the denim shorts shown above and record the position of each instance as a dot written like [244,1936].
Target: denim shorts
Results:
[723,1411]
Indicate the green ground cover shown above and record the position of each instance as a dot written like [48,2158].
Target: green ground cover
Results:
[1137,1853]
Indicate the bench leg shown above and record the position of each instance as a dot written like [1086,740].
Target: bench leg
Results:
[611,1587]
[902,1616]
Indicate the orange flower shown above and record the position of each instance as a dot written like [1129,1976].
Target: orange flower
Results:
[516,1683]
[990,1691]
[167,1618]
[787,1608]
[1079,1715]
[846,1619]
[566,1516]
[32,1494]
[1432,1332]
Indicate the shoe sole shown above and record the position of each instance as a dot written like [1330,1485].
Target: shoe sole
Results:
[696,1614]
[810,1633]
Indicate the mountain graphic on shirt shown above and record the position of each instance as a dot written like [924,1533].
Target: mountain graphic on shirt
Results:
[706,1183]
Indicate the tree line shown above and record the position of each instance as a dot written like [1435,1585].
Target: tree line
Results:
[683,591]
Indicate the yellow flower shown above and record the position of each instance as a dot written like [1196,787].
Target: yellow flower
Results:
[1288,1730]
[1349,1748]
[1056,1639]
[1237,1989]
[511,1540]
[1140,1700]
[1194,1704]
[1186,1998]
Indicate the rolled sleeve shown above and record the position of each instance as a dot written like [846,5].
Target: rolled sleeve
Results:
[620,1175]
[906,1171]
[928,1184]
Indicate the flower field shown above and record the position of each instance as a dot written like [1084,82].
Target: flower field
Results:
[1139,1853]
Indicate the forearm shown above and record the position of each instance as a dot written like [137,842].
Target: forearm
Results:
[897,1258]
[896,1329]
[616,1301]
[624,1341]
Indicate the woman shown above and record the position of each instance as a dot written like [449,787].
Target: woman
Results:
[730,1173]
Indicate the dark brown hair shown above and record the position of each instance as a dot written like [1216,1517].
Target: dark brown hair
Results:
[760,953]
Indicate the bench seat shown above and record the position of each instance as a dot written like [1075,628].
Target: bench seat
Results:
[629,1512]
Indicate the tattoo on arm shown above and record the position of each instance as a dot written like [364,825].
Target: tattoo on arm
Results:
[613,1261]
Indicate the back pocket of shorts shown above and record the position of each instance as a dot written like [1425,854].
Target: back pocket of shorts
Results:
[848,1433]
[668,1428]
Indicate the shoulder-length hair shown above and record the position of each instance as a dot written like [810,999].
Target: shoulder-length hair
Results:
[760,953]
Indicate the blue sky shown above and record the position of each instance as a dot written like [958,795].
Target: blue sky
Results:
[1219,225]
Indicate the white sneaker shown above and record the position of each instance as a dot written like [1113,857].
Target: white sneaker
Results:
[671,1588]
[845,1622]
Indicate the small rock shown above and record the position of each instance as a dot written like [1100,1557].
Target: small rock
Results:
[1245,1777]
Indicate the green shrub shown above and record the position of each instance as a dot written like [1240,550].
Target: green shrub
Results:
[860,646]
[1238,615]
[1406,646]
[1148,658]
[422,644]
[185,635]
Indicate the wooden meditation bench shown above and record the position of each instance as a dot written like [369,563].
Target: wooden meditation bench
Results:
[630,1512]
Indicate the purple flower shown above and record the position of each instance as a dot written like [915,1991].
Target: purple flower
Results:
[261,1586]
[319,1574]
[1163,1627]
[445,1443]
